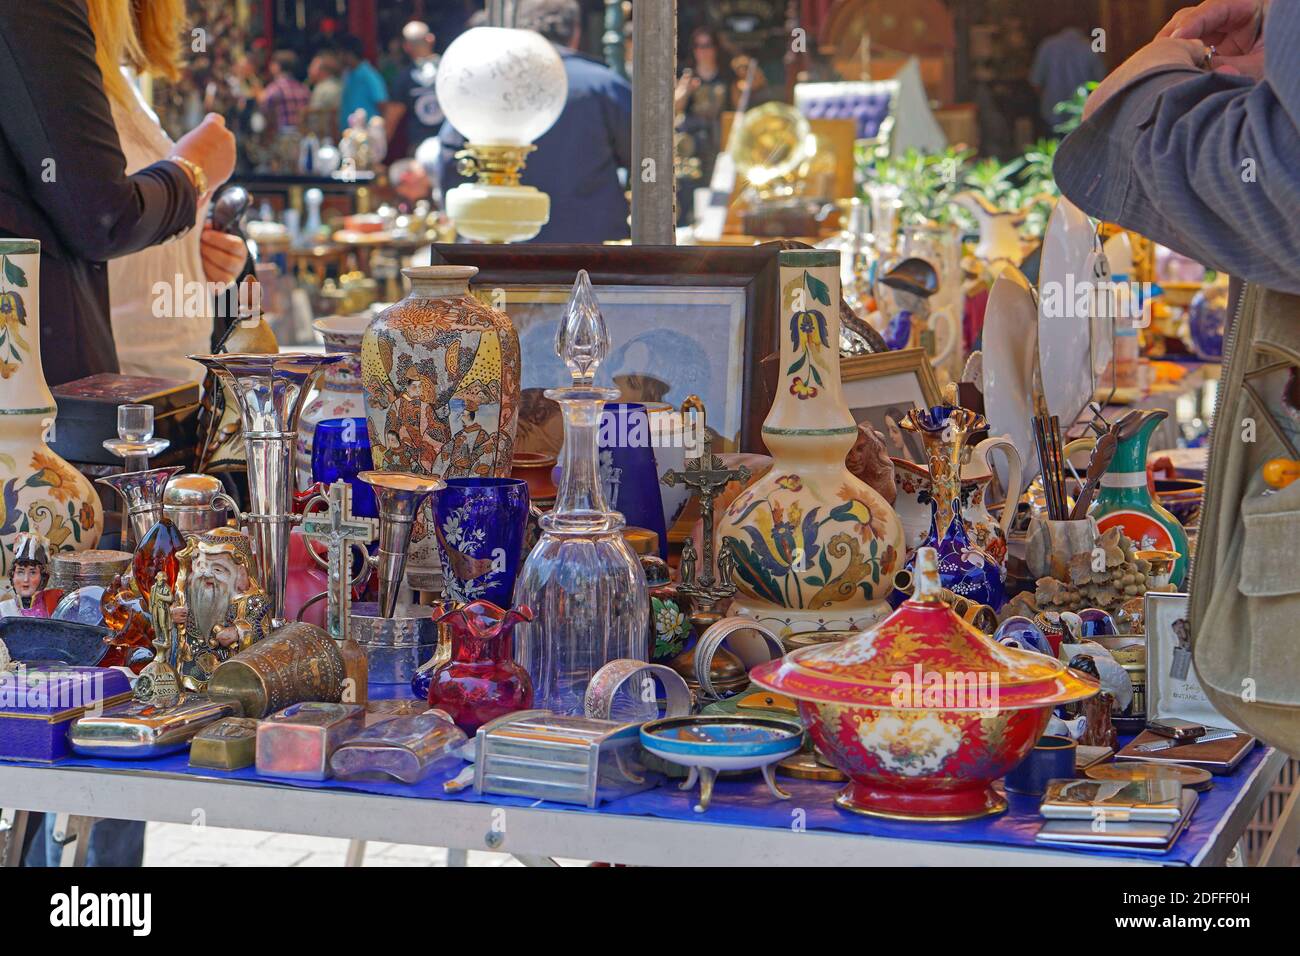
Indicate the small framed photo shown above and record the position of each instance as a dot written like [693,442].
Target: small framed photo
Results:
[880,389]
[1172,687]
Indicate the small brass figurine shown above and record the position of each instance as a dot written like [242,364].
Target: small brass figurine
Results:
[158,683]
[221,609]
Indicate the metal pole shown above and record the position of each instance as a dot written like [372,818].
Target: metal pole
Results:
[612,40]
[501,13]
[654,69]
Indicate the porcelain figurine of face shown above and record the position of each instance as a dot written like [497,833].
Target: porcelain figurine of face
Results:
[214,581]
[222,610]
[28,578]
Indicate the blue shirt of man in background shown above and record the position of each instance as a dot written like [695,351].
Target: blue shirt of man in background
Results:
[1064,62]
[577,160]
[363,86]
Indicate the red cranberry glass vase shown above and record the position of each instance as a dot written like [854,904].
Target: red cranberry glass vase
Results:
[481,681]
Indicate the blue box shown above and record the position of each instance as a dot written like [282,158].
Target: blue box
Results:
[38,703]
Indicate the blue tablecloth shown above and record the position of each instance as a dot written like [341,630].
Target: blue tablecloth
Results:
[747,802]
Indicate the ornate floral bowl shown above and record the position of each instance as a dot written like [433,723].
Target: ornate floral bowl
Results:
[922,712]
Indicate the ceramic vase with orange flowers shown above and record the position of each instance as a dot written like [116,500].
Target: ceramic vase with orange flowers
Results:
[814,547]
[39,491]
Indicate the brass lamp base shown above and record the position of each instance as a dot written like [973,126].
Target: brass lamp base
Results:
[496,207]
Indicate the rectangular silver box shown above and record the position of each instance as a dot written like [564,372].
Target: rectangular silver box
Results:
[536,753]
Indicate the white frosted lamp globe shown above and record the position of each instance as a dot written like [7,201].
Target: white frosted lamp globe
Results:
[500,86]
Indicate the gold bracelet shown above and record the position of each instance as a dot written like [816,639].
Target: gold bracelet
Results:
[196,173]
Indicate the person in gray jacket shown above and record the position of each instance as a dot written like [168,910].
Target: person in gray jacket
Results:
[1194,141]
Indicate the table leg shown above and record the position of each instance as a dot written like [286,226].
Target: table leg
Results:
[1282,846]
[13,833]
[356,853]
[457,857]
[72,833]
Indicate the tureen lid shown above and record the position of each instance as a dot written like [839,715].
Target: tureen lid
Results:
[924,655]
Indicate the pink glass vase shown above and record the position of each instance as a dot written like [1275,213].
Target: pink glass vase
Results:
[481,681]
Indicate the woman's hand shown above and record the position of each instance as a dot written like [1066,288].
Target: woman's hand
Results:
[687,84]
[223,255]
[1234,27]
[1165,51]
[211,146]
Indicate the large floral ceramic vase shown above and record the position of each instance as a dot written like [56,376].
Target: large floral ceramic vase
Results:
[39,491]
[815,548]
[441,376]
[339,393]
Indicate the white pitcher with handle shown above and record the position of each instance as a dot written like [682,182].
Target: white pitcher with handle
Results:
[986,532]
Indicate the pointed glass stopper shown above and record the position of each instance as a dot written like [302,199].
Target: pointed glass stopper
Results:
[582,340]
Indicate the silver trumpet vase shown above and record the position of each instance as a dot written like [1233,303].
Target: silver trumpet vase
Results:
[271,391]
[142,493]
[398,497]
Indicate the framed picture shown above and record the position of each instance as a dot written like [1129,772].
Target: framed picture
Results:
[881,389]
[1168,639]
[682,321]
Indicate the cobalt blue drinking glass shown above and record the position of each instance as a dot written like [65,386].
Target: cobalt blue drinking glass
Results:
[340,449]
[479,525]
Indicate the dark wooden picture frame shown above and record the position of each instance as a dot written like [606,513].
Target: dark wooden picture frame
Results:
[750,268]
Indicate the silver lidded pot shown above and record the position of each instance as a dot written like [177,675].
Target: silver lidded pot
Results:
[188,503]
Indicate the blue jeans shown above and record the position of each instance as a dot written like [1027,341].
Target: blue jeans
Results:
[112,843]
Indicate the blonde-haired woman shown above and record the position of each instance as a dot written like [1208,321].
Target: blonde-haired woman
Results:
[157,318]
[63,178]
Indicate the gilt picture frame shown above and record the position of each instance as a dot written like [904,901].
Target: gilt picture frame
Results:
[682,320]
[880,389]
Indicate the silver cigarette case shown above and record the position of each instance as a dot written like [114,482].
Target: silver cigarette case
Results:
[536,753]
[138,729]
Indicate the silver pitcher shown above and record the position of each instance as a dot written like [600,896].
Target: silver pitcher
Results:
[142,493]
[399,496]
[271,391]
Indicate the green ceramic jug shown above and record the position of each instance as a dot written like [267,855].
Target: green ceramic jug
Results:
[1126,500]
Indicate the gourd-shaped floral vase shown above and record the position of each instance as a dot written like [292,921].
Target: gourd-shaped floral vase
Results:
[441,376]
[964,569]
[39,491]
[815,548]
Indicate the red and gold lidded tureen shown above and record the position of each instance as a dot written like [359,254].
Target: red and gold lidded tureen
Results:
[922,711]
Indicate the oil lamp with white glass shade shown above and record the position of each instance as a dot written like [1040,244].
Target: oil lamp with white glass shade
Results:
[501,89]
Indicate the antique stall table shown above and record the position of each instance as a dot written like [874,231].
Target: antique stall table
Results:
[744,826]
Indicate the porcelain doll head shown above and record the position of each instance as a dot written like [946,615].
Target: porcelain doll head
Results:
[30,570]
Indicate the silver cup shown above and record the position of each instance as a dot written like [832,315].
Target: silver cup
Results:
[271,391]
[142,493]
[399,496]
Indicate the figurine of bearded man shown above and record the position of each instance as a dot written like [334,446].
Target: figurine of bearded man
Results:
[221,609]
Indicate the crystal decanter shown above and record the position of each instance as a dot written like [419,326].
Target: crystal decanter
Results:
[582,579]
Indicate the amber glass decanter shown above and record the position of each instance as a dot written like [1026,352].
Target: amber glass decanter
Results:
[582,579]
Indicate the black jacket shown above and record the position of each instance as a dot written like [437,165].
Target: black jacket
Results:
[63,181]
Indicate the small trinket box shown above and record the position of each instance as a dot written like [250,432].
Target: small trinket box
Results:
[406,749]
[39,702]
[229,744]
[537,753]
[140,729]
[299,740]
